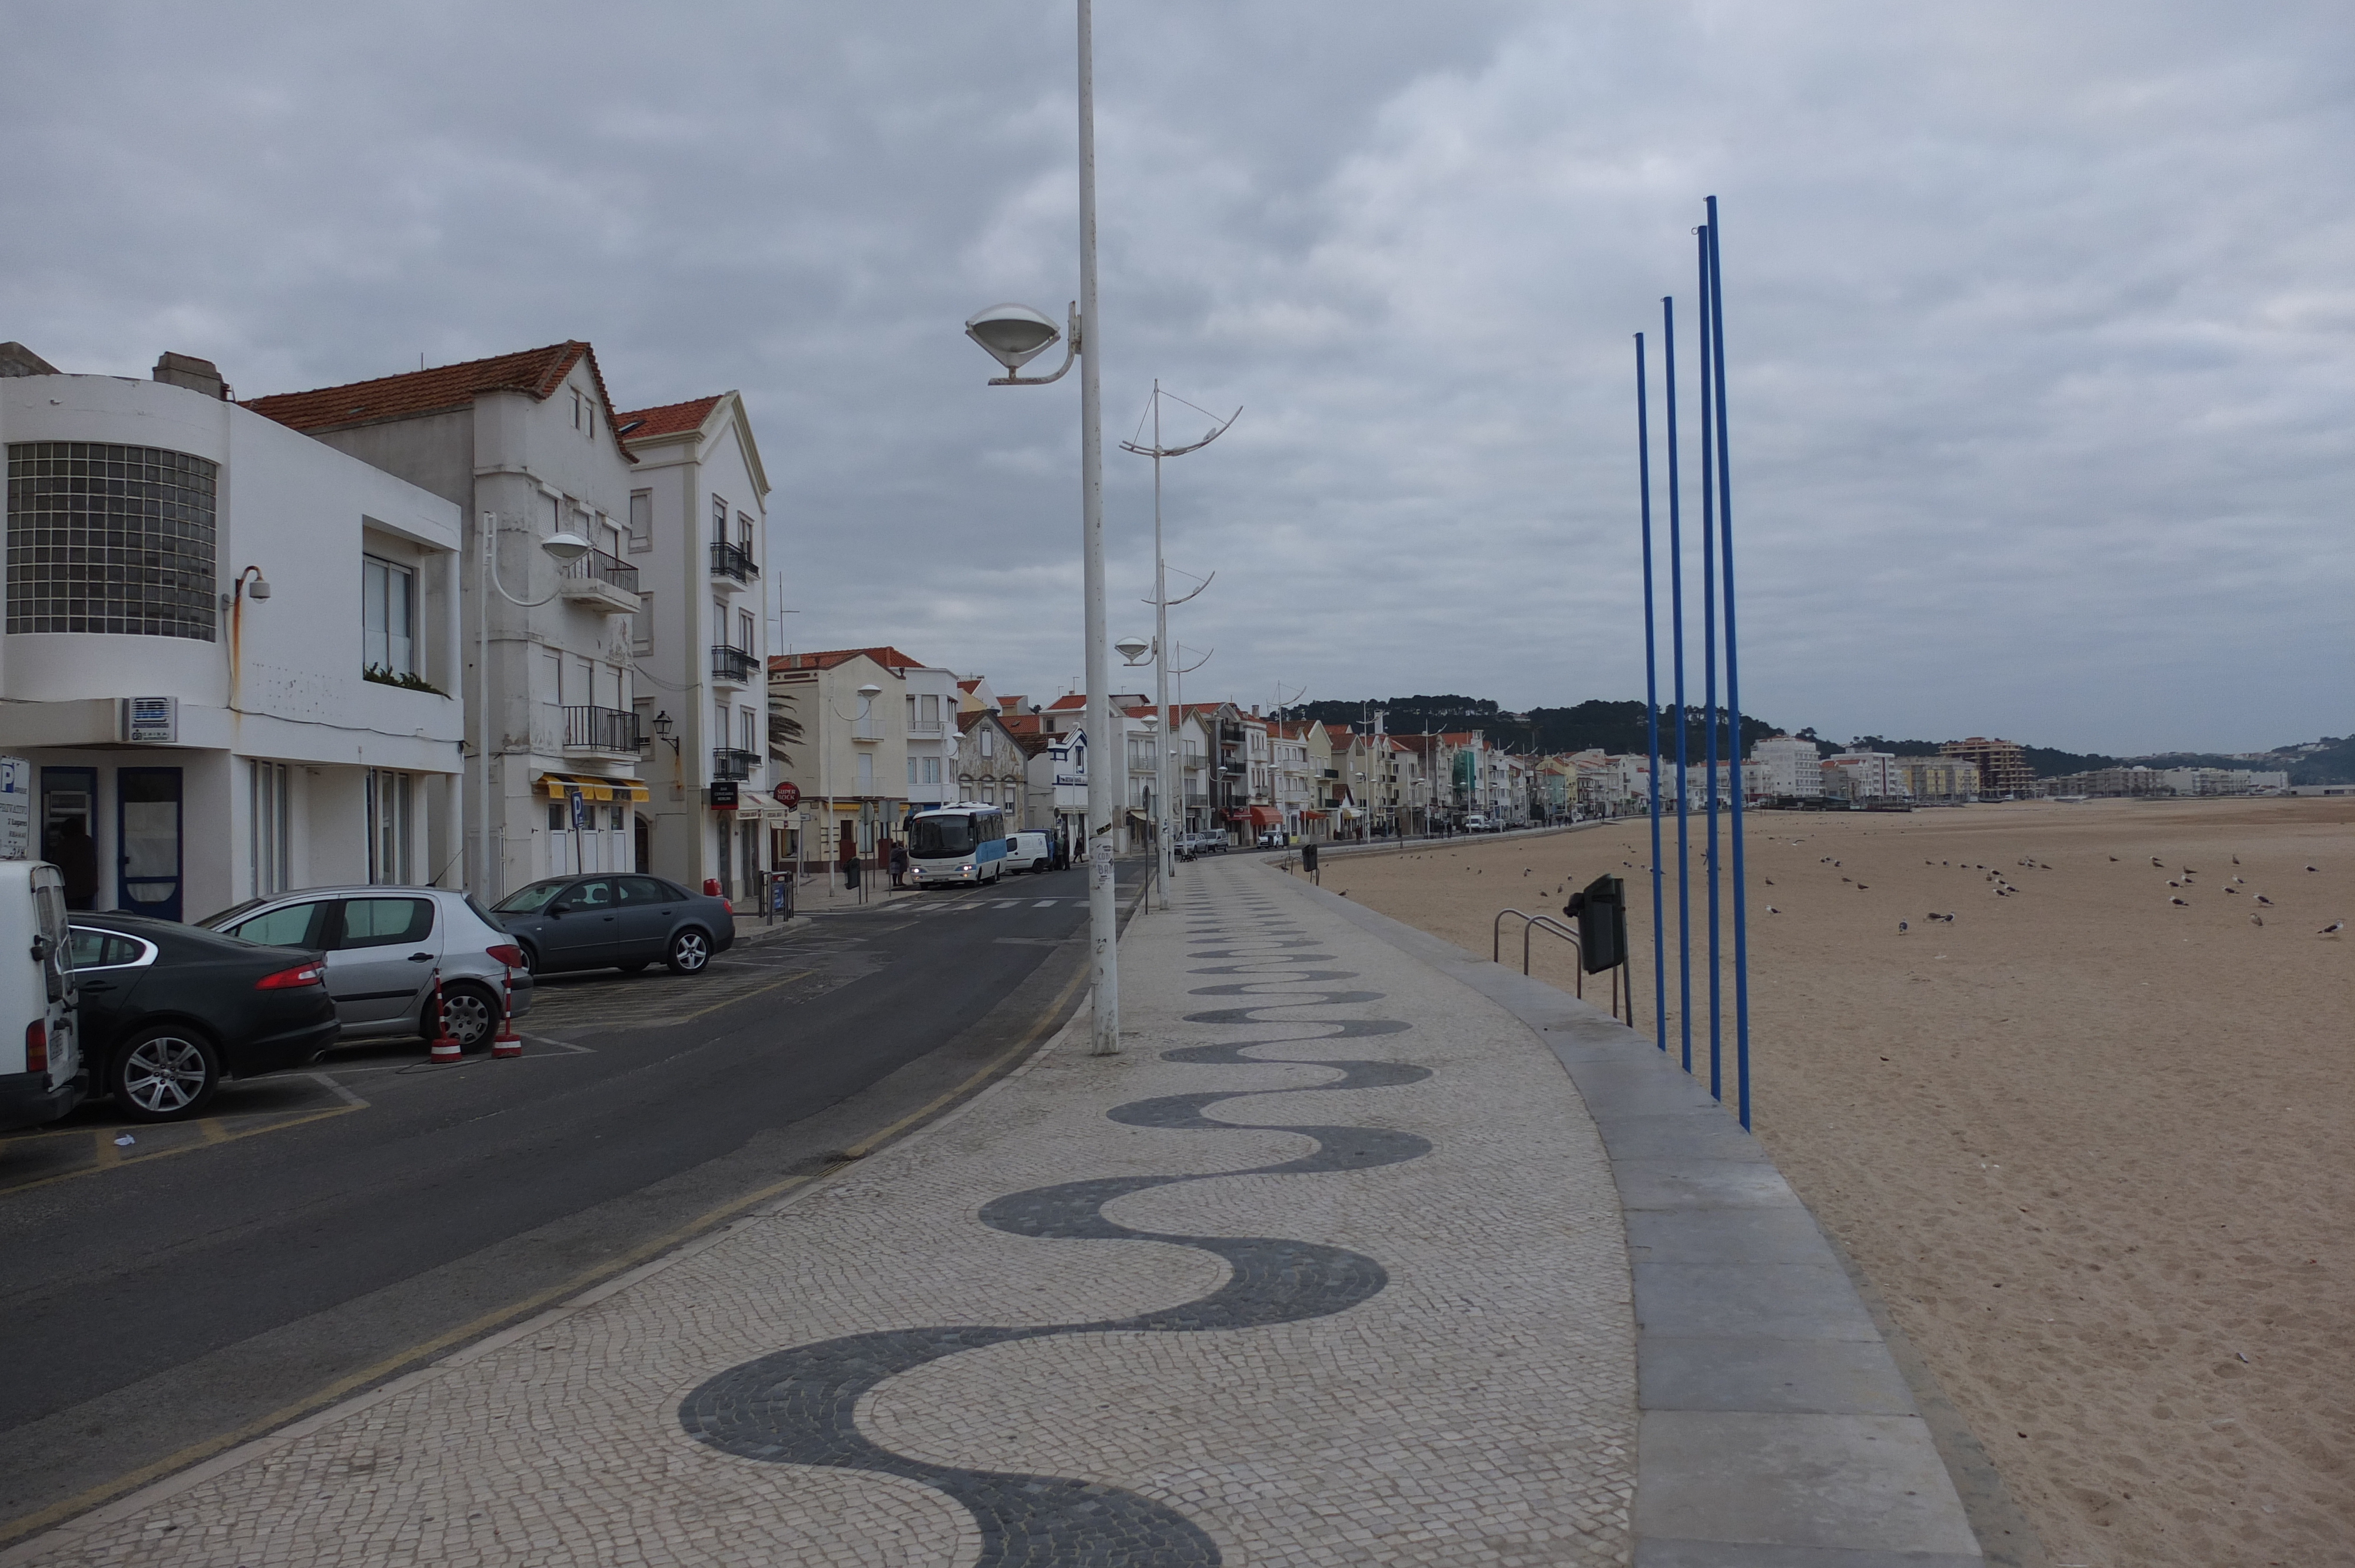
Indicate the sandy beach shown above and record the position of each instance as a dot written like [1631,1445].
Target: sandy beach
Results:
[2090,1144]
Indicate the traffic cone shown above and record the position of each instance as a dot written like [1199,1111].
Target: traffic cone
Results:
[444,1048]
[507,1042]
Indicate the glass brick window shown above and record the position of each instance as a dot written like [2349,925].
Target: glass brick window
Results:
[110,539]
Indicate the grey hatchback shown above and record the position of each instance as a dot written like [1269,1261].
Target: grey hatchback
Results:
[622,921]
[384,945]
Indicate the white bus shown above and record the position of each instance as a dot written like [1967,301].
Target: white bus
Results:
[963,845]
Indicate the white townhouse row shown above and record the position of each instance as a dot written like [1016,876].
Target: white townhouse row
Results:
[209,717]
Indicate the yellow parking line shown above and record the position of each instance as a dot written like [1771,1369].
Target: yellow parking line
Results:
[110,1158]
[213,1130]
[104,1149]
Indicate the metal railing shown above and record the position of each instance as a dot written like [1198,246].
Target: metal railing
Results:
[1556,928]
[600,729]
[734,664]
[730,764]
[596,565]
[733,561]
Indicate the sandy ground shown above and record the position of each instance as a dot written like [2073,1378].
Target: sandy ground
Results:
[2092,1146]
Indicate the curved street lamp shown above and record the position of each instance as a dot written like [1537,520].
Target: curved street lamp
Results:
[1014,335]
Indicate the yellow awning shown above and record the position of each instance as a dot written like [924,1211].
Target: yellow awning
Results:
[556,785]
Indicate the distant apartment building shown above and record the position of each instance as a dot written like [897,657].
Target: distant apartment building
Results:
[1939,778]
[2002,764]
[1793,766]
[2221,782]
[1861,776]
[843,714]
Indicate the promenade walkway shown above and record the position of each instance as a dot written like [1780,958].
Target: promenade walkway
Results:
[1330,1266]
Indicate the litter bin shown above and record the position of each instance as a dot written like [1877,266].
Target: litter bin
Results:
[1308,863]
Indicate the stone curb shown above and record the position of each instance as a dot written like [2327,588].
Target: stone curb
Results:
[1775,1427]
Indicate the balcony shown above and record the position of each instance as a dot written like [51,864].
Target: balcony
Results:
[733,666]
[609,730]
[727,764]
[601,581]
[734,563]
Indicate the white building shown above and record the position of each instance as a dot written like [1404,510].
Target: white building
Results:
[933,704]
[525,445]
[1862,775]
[697,531]
[1793,766]
[196,740]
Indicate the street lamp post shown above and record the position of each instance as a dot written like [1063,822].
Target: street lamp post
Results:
[563,547]
[1013,335]
[1161,602]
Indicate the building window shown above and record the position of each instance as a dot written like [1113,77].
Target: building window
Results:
[867,773]
[388,797]
[744,534]
[744,630]
[388,610]
[932,769]
[272,817]
[718,520]
[110,539]
[988,743]
[642,625]
[912,771]
[744,728]
[642,520]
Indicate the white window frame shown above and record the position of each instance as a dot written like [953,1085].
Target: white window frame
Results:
[379,648]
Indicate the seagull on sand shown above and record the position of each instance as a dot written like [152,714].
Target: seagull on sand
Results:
[2314,868]
[1772,910]
[1900,927]
[2237,859]
[2114,860]
[2186,903]
[1860,886]
[2266,901]
[2255,919]
[2332,929]
[2156,861]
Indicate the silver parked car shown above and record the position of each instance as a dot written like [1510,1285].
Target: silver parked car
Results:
[622,920]
[384,945]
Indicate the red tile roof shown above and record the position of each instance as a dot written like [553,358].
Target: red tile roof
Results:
[539,371]
[889,657]
[670,420]
[1067,701]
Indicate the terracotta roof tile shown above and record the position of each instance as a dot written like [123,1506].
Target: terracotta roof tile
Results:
[538,371]
[889,657]
[1067,701]
[670,420]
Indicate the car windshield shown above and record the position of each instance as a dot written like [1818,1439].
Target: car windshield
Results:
[533,899]
[936,837]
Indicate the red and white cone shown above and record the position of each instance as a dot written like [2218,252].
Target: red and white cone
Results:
[507,1042]
[444,1049]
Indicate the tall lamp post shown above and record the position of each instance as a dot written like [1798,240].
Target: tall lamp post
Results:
[1161,602]
[1014,335]
[563,547]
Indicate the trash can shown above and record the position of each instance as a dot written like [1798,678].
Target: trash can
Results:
[1308,863]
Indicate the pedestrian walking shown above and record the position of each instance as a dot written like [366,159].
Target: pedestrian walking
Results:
[898,865]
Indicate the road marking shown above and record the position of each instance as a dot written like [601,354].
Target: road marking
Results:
[1007,904]
[112,1158]
[212,1130]
[1044,904]
[31,1524]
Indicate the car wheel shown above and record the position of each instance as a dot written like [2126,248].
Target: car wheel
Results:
[164,1073]
[530,958]
[471,1013]
[690,950]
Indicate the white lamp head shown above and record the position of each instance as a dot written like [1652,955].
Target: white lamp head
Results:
[1132,648]
[565,547]
[1012,335]
[870,690]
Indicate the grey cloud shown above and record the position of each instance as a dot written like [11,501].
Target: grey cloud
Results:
[2039,317]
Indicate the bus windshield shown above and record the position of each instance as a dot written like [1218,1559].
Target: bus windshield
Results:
[937,838]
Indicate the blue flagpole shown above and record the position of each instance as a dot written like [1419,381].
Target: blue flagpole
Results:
[1708,679]
[1651,700]
[1732,673]
[1677,634]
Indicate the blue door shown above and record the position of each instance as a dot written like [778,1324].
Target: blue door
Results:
[147,834]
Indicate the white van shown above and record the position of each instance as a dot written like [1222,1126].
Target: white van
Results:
[1029,851]
[40,1070]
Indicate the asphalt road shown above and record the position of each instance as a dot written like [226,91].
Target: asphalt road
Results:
[321,1233]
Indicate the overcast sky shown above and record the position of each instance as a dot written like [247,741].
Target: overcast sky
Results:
[2039,317]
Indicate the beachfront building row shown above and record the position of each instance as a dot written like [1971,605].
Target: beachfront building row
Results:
[314,637]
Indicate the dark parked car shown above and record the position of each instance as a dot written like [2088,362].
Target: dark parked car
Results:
[167,1010]
[622,921]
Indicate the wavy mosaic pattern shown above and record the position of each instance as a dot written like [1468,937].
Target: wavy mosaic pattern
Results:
[797,1406]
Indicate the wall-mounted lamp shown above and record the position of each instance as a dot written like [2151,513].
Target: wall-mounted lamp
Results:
[663,726]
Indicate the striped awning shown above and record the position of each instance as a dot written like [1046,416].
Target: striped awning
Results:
[555,786]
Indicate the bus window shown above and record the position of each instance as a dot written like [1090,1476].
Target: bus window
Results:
[936,838]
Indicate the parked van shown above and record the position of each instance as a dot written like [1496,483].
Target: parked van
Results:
[1029,851]
[40,1068]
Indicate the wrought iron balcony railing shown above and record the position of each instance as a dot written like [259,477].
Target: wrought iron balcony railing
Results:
[734,665]
[733,561]
[600,729]
[597,566]
[729,764]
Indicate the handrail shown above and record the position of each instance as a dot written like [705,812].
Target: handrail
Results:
[1532,923]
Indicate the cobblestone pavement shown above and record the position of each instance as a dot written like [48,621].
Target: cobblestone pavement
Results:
[1327,1268]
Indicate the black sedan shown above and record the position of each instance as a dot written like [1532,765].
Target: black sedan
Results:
[620,921]
[166,1012]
